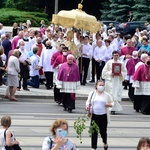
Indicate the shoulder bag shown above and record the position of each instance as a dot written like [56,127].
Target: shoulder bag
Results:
[14,147]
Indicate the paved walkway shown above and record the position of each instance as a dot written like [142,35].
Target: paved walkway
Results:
[42,92]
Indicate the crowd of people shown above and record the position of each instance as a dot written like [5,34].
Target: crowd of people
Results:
[43,53]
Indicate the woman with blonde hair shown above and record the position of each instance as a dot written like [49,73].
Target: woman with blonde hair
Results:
[58,140]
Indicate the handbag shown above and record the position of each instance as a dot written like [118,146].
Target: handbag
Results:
[14,147]
[89,113]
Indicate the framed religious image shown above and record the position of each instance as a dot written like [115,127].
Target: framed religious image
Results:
[116,69]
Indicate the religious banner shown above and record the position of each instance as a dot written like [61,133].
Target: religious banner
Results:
[116,69]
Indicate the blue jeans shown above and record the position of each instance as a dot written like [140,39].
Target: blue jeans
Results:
[34,82]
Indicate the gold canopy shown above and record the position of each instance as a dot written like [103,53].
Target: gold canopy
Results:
[76,18]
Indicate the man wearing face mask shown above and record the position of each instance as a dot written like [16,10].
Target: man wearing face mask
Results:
[141,83]
[97,105]
[130,71]
[113,81]
[61,58]
[24,66]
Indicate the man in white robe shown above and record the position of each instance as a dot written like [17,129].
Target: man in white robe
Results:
[45,63]
[113,83]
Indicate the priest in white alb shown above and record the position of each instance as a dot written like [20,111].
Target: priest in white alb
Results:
[114,73]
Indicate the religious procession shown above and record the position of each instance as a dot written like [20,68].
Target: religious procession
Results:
[63,54]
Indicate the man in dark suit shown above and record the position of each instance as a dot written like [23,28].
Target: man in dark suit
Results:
[7,45]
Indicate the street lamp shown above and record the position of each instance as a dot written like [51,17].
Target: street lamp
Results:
[56,6]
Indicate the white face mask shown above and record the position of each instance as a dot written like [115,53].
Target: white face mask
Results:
[100,88]
[22,47]
[134,57]
[65,53]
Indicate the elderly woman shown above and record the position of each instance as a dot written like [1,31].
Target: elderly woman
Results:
[9,139]
[58,140]
[13,68]
[97,105]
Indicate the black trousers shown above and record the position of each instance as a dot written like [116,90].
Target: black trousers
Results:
[24,74]
[57,95]
[131,92]
[99,68]
[68,100]
[93,69]
[83,66]
[101,121]
[49,79]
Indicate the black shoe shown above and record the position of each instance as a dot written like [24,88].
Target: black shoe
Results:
[125,88]
[91,81]
[65,109]
[26,89]
[48,88]
[69,110]
[113,112]
[105,147]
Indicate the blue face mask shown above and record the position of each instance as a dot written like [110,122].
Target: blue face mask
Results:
[61,133]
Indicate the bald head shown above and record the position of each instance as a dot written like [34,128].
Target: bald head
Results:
[70,59]
[48,42]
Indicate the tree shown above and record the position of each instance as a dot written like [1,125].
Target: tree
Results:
[104,10]
[10,4]
[141,10]
[1,3]
[119,10]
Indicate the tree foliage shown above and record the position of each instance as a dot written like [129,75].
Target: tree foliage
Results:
[104,10]
[9,4]
[141,10]
[119,10]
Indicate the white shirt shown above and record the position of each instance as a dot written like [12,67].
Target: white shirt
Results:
[99,103]
[2,31]
[114,45]
[34,60]
[99,53]
[24,55]
[2,141]
[87,49]
[45,59]
[108,54]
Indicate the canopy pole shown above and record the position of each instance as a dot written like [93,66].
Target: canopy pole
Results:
[56,6]
[81,55]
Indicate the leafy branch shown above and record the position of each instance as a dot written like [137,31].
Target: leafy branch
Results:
[80,126]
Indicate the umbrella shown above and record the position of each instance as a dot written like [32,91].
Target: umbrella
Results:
[76,18]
